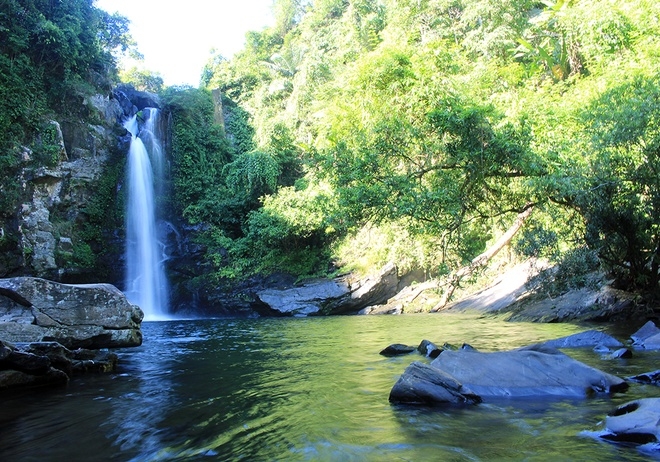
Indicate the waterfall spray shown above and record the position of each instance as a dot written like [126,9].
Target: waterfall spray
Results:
[146,284]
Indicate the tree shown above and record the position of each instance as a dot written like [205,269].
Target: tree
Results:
[622,204]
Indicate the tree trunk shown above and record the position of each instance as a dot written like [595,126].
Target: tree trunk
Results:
[455,278]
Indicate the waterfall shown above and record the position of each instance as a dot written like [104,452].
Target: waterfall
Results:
[146,284]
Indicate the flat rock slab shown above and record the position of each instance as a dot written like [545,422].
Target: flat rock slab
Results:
[90,316]
[525,373]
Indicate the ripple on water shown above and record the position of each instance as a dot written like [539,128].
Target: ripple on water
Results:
[303,389]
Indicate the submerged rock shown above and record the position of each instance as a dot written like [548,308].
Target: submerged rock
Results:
[48,363]
[621,353]
[634,422]
[651,378]
[397,349]
[90,316]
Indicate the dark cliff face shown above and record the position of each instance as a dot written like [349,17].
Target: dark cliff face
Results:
[66,220]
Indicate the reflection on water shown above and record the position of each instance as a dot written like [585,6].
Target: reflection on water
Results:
[303,389]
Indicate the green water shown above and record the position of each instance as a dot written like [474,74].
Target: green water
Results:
[304,390]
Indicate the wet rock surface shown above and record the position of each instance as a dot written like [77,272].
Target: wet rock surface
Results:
[24,365]
[636,422]
[332,296]
[467,375]
[51,331]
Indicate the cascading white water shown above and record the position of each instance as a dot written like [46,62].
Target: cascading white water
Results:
[146,284]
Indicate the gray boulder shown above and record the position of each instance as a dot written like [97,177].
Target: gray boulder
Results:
[647,337]
[397,349]
[90,316]
[530,372]
[429,349]
[634,422]
[423,384]
[48,364]
[335,296]
[469,376]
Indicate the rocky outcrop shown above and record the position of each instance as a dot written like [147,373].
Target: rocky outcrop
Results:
[336,296]
[132,100]
[25,365]
[92,316]
[45,232]
[524,373]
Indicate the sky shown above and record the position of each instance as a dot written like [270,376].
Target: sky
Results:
[176,37]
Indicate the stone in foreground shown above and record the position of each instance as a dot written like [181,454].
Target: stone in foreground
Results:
[634,422]
[469,376]
[528,372]
[647,337]
[397,349]
[423,384]
[92,316]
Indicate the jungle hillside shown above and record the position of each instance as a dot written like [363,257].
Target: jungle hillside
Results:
[356,133]
[417,132]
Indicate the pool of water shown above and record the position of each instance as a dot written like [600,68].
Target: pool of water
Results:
[304,390]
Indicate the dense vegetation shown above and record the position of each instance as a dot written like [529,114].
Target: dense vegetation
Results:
[53,55]
[360,132]
[416,131]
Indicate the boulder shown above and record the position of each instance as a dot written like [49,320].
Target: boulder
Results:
[634,422]
[48,364]
[647,337]
[423,384]
[90,316]
[335,296]
[397,349]
[429,349]
[525,373]
[590,338]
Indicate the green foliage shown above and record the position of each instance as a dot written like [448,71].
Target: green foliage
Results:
[429,125]
[142,80]
[576,269]
[199,151]
[240,132]
[622,206]
[288,233]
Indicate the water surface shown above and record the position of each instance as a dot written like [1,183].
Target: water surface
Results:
[304,390]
